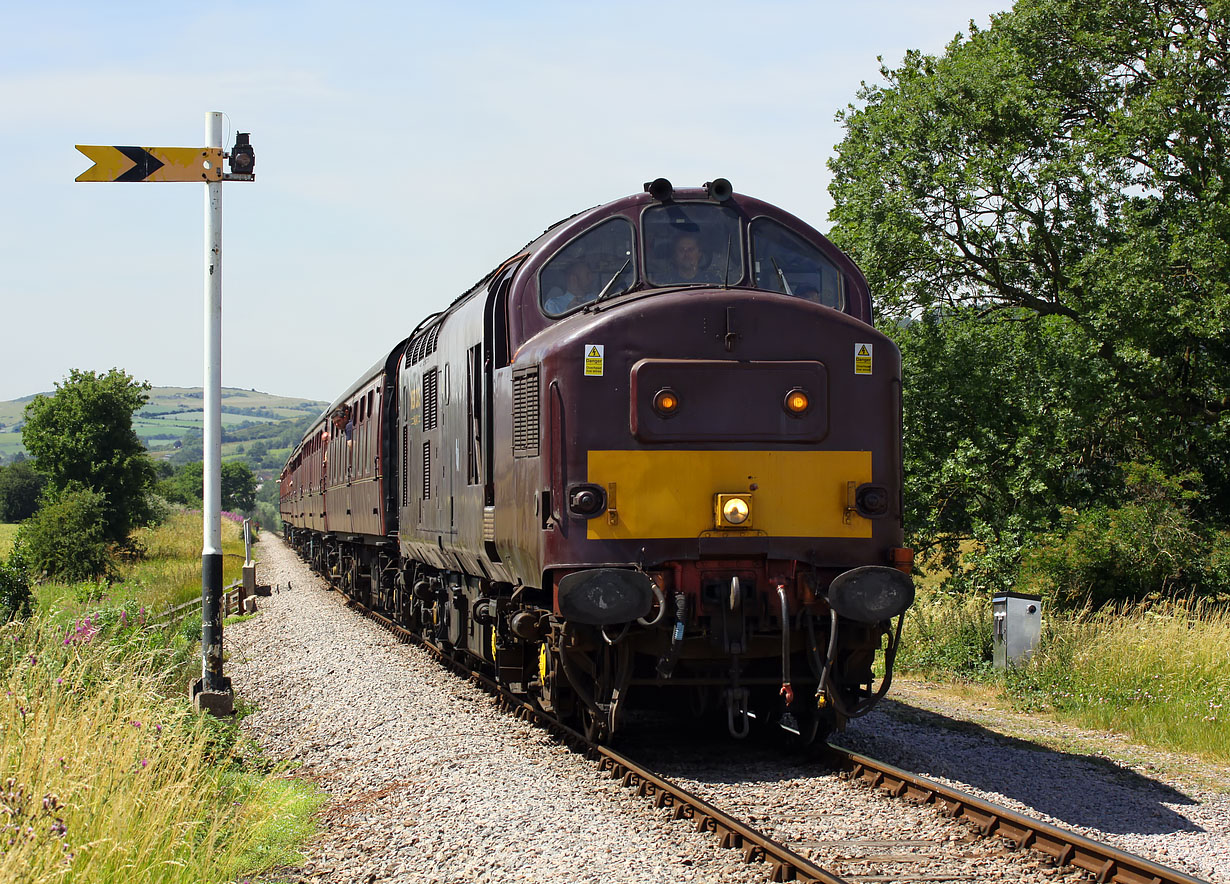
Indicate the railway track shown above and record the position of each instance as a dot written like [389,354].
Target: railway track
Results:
[1102,862]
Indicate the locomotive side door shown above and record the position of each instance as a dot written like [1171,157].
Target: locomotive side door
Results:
[496,420]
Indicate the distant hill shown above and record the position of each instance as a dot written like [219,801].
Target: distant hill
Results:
[260,428]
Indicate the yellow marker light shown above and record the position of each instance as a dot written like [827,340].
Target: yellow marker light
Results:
[733,509]
[797,402]
[666,402]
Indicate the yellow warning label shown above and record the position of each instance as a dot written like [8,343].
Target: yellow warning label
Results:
[862,358]
[593,359]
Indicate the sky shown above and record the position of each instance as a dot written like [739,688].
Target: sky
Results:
[402,151]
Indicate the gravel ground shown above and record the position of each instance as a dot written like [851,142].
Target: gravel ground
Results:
[430,782]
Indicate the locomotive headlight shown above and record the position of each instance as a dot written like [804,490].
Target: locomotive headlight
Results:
[797,401]
[666,402]
[734,510]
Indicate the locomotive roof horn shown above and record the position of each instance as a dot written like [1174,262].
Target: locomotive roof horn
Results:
[660,189]
[719,189]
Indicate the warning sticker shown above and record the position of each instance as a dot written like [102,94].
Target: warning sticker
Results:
[862,358]
[593,359]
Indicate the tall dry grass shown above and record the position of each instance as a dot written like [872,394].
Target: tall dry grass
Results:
[106,773]
[105,778]
[1159,672]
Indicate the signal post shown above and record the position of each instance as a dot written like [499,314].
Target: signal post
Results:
[212,692]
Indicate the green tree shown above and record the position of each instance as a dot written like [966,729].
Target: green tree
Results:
[1071,162]
[999,432]
[20,486]
[186,486]
[238,487]
[82,438]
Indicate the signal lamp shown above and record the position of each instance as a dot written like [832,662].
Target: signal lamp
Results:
[797,401]
[666,402]
[243,157]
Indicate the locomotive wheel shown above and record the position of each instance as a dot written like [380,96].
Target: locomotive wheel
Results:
[556,696]
[348,578]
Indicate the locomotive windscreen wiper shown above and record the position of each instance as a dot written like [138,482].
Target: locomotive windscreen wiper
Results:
[782,277]
[607,288]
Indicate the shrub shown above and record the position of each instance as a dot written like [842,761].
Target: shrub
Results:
[66,539]
[14,586]
[947,634]
[1150,546]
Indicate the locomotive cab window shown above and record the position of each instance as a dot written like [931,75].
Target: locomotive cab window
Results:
[599,262]
[692,244]
[785,262]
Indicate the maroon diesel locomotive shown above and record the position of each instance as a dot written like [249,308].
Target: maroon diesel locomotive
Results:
[654,458]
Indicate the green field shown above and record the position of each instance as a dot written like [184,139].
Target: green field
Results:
[174,415]
[7,532]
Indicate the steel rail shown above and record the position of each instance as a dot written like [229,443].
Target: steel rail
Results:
[784,864]
[1108,865]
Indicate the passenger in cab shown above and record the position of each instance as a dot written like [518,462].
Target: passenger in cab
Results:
[580,288]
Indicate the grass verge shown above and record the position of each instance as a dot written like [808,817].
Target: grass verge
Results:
[106,773]
[1159,674]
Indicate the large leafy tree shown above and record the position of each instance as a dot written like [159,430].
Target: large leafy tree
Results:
[83,439]
[1068,166]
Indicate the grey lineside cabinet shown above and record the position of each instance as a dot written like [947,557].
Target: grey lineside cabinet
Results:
[1017,627]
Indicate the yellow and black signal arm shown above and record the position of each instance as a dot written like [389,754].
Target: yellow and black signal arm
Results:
[113,163]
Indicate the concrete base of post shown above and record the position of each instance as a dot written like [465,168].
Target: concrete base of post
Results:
[217,703]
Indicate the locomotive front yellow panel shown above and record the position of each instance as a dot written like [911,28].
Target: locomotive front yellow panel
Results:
[664,494]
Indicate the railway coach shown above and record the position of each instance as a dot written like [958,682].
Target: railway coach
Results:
[653,458]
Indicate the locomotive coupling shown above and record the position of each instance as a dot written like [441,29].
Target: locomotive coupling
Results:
[871,594]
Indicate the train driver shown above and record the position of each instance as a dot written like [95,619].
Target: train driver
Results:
[690,264]
[579,289]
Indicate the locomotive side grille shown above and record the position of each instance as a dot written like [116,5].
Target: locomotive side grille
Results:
[424,345]
[426,471]
[430,412]
[405,464]
[525,413]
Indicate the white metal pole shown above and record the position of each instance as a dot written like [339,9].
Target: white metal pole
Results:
[211,553]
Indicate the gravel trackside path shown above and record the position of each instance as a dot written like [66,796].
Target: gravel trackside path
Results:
[429,781]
